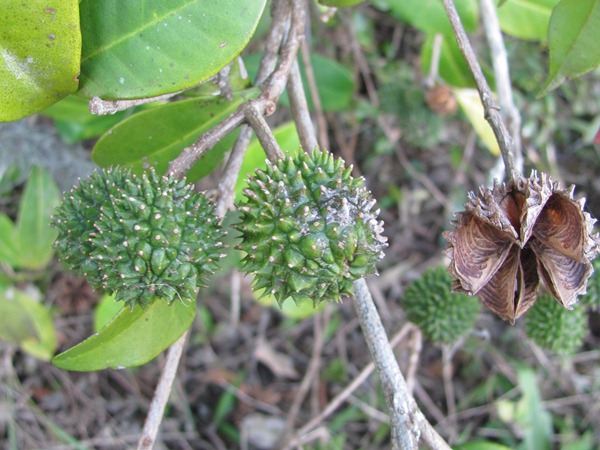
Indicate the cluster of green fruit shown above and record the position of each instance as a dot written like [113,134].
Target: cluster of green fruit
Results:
[309,229]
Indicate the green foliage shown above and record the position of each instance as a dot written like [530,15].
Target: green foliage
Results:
[573,34]
[27,322]
[40,47]
[132,338]
[555,328]
[441,315]
[309,229]
[156,136]
[526,19]
[28,243]
[142,238]
[147,53]
[528,413]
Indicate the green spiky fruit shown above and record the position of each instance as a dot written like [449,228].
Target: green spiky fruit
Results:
[442,316]
[142,237]
[309,229]
[555,328]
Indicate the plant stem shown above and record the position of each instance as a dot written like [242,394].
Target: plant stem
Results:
[102,107]
[161,394]
[501,73]
[408,423]
[490,108]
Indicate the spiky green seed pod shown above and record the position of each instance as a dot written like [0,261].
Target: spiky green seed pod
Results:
[309,229]
[142,237]
[555,328]
[441,315]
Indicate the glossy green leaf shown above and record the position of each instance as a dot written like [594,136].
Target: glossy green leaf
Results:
[28,323]
[340,3]
[34,234]
[156,136]
[9,251]
[573,36]
[40,47]
[131,338]
[526,19]
[106,309]
[287,138]
[145,48]
[74,121]
[430,15]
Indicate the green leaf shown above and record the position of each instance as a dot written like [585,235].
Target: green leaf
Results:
[430,15]
[470,103]
[287,138]
[528,412]
[335,83]
[28,323]
[40,47]
[74,121]
[340,3]
[34,234]
[573,35]
[132,338]
[145,48]
[9,251]
[156,136]
[526,19]
[107,308]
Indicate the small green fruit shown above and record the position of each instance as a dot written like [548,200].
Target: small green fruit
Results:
[441,315]
[309,229]
[555,328]
[142,237]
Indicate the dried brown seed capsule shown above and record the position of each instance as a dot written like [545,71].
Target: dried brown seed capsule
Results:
[514,235]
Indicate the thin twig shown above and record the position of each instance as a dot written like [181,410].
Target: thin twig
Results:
[161,394]
[255,118]
[311,373]
[408,423]
[299,108]
[102,107]
[314,95]
[340,398]
[502,76]
[449,390]
[490,108]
